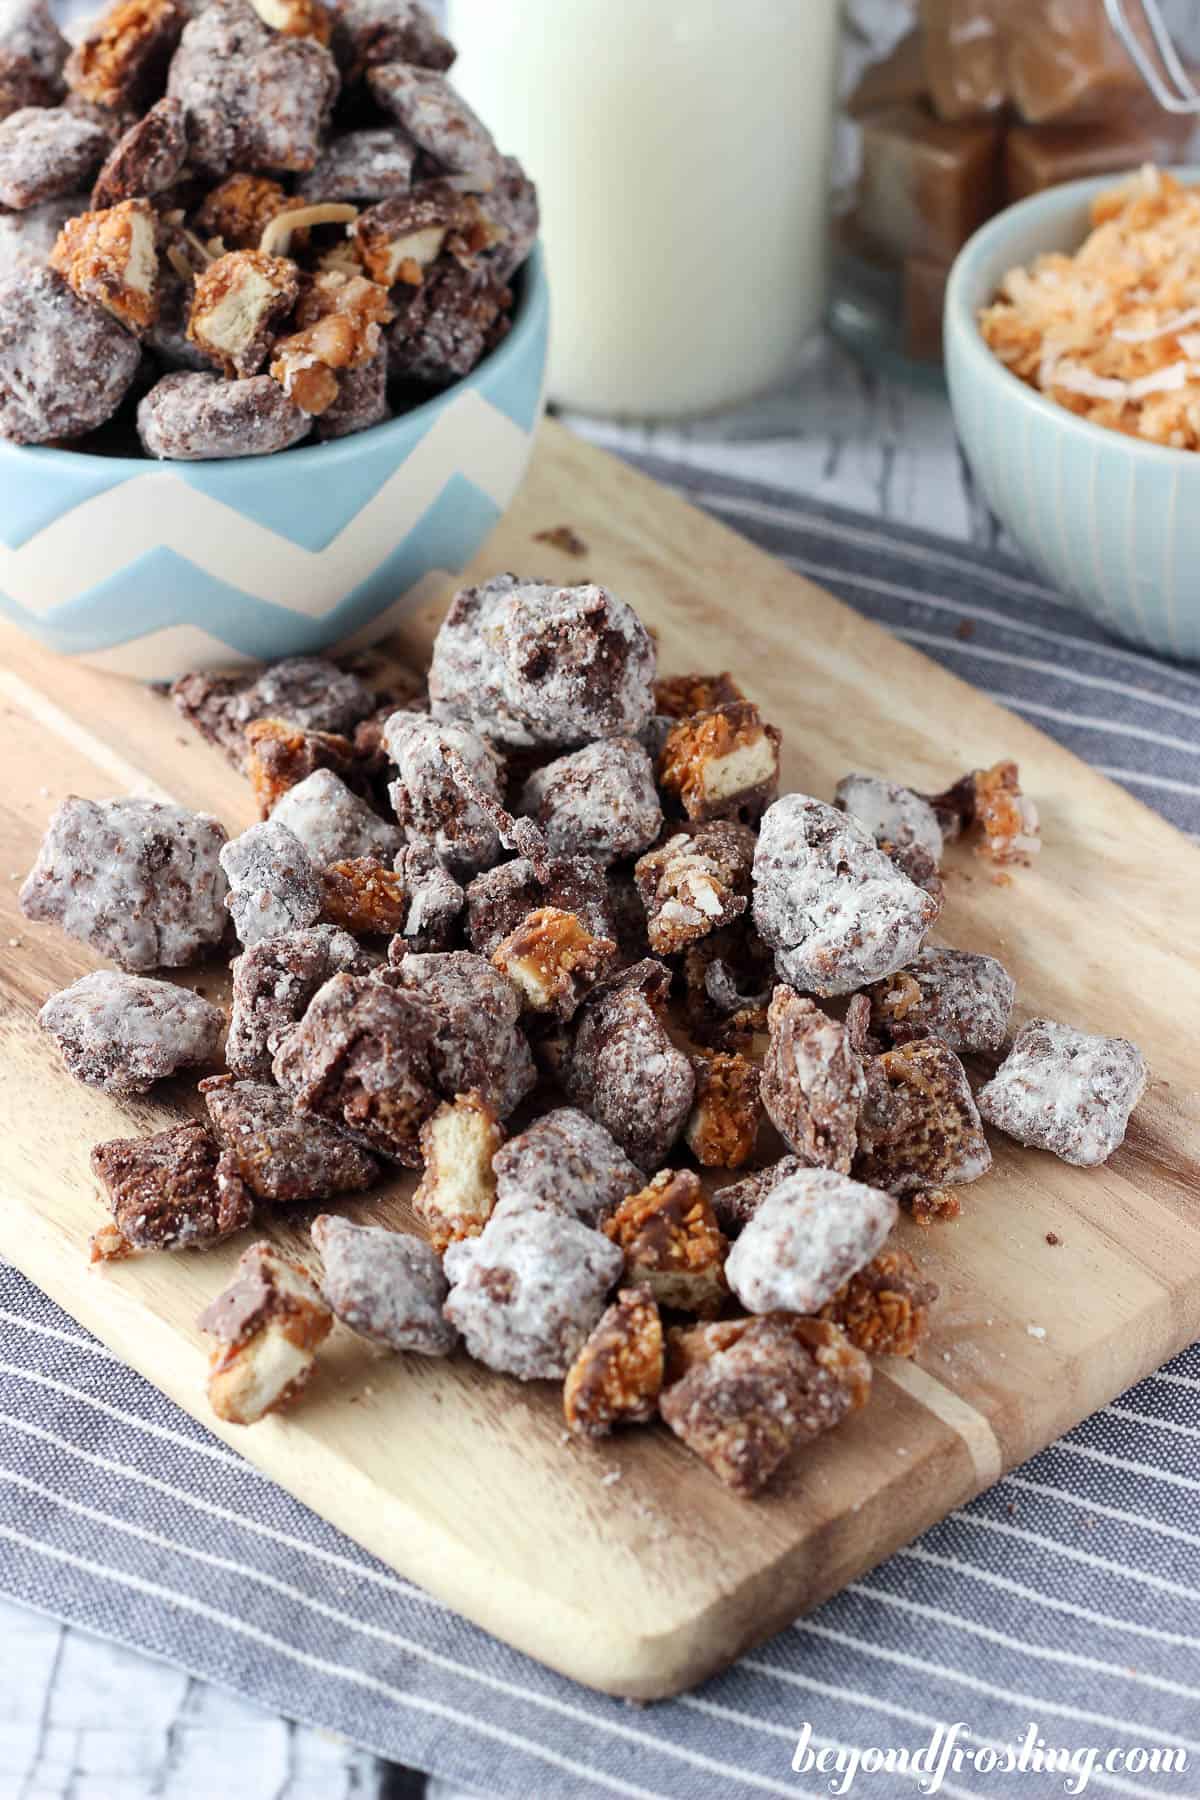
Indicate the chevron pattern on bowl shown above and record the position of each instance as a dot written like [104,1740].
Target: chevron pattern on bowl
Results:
[148,569]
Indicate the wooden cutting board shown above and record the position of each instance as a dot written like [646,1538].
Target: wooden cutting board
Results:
[627,1566]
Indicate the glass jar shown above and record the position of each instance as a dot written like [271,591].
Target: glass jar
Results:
[681,153]
[955,109]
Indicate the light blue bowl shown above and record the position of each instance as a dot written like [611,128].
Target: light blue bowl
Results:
[1112,522]
[149,569]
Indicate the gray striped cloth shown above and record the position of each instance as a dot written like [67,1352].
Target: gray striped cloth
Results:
[1064,1603]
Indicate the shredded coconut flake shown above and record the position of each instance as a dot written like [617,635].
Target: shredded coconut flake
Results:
[1107,333]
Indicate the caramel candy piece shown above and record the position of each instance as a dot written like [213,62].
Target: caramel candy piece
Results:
[722,764]
[933,1206]
[680,696]
[552,960]
[111,259]
[616,1377]
[268,1323]
[672,1243]
[296,18]
[923,286]
[279,756]
[1037,157]
[695,883]
[991,802]
[167,1192]
[965,61]
[898,78]
[884,1308]
[340,319]
[123,59]
[364,896]
[925,185]
[402,237]
[457,1193]
[237,302]
[750,1391]
[240,208]
[1065,62]
[723,1128]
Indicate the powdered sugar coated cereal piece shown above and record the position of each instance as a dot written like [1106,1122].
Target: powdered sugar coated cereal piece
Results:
[736,1204]
[273,885]
[1067,1091]
[890,813]
[139,880]
[65,366]
[363,166]
[386,1285]
[366,32]
[527,1292]
[123,1033]
[362,1057]
[919,1126]
[361,401]
[809,1235]
[477,1044]
[836,909]
[743,1393]
[27,238]
[437,119]
[599,801]
[166,1192]
[46,151]
[273,983]
[567,1160]
[527,663]
[812,1082]
[430,804]
[332,823]
[190,417]
[623,1069]
[278,1155]
[252,99]
[956,995]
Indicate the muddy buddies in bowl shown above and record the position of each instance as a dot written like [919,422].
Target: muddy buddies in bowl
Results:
[228,226]
[671,1051]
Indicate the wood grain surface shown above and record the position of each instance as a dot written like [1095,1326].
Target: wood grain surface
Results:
[626,1566]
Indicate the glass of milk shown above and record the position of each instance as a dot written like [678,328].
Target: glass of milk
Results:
[681,149]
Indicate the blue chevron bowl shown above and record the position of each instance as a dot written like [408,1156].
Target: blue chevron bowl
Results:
[149,569]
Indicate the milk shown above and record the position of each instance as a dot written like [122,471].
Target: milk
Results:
[680,149]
